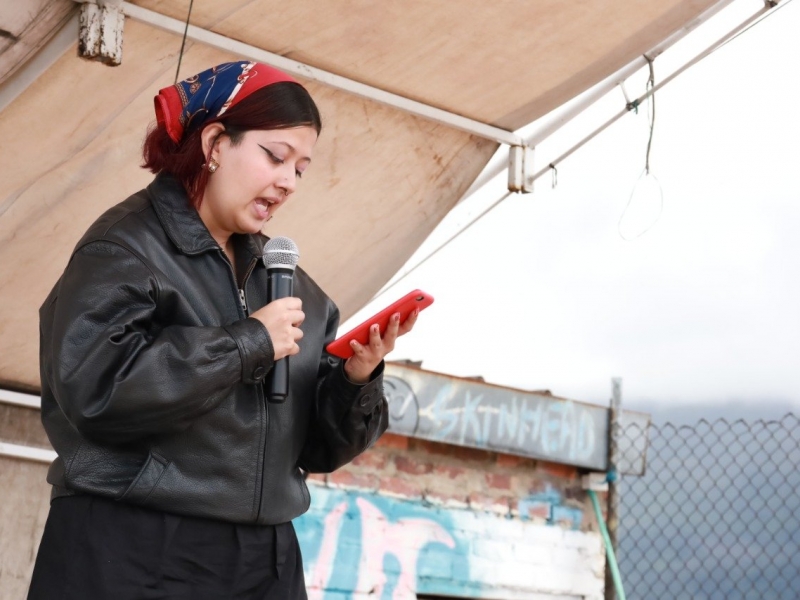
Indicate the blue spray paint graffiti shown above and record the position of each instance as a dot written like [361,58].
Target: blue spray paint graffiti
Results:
[360,546]
[369,544]
[551,504]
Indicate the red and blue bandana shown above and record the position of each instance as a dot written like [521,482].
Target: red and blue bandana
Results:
[191,102]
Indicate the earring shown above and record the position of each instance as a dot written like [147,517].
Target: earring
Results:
[212,165]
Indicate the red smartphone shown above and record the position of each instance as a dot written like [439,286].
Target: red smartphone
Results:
[416,299]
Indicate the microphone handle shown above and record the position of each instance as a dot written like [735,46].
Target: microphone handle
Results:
[281,285]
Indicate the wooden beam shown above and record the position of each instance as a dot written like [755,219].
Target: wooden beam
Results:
[25,27]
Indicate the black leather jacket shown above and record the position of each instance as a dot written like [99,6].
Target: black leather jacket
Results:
[152,376]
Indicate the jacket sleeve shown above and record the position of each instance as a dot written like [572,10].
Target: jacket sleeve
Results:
[119,370]
[349,417]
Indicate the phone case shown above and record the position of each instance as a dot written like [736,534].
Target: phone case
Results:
[416,299]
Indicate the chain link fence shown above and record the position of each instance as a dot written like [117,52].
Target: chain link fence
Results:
[717,513]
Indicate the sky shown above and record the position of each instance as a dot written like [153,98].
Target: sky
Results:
[552,290]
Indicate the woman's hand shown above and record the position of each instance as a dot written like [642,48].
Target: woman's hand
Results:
[283,318]
[360,366]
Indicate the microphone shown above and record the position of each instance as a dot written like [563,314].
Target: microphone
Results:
[280,258]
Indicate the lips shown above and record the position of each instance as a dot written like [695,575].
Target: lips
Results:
[264,206]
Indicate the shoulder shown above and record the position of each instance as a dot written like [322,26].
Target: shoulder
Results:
[121,222]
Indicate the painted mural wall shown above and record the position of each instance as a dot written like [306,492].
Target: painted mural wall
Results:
[363,546]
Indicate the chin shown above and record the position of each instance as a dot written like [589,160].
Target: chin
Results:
[253,226]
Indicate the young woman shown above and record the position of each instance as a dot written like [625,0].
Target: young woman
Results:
[175,477]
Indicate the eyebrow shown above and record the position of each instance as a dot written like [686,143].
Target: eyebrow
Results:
[288,145]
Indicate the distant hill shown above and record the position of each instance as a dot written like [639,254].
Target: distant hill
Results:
[682,413]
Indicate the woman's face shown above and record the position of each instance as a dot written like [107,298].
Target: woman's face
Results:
[254,178]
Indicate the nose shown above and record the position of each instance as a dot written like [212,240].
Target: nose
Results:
[289,182]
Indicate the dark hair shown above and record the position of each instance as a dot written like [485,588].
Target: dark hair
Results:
[281,105]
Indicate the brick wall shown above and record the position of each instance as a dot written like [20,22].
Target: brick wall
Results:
[415,517]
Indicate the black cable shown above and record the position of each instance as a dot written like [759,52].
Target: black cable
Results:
[183,42]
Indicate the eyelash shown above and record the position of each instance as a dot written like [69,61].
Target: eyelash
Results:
[280,161]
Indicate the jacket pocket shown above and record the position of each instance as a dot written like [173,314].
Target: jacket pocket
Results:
[146,479]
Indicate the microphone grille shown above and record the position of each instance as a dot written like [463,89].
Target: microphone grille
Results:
[281,252]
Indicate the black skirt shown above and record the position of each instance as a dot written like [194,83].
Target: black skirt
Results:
[98,549]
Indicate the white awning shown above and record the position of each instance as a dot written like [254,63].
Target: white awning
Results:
[416,97]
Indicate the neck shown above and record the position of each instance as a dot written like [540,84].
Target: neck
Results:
[222,238]
[225,241]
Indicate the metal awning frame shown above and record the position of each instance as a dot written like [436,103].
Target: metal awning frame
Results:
[496,167]
[519,163]
[618,80]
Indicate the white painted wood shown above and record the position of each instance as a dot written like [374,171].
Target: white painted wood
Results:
[101,29]
[27,26]
[89,37]
[112,22]
[28,400]
[19,81]
[27,453]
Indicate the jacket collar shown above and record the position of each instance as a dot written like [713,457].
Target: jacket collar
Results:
[183,225]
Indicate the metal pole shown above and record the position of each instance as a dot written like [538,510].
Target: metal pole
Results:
[612,518]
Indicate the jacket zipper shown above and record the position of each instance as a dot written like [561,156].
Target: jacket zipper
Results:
[261,397]
[259,389]
[242,299]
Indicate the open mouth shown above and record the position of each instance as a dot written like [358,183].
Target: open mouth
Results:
[264,207]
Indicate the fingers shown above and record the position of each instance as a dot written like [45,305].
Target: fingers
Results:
[283,319]
[291,309]
[374,345]
[367,356]
[290,303]
[391,333]
[290,333]
[408,324]
[383,345]
[295,317]
[395,329]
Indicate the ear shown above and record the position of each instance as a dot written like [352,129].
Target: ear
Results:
[210,136]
